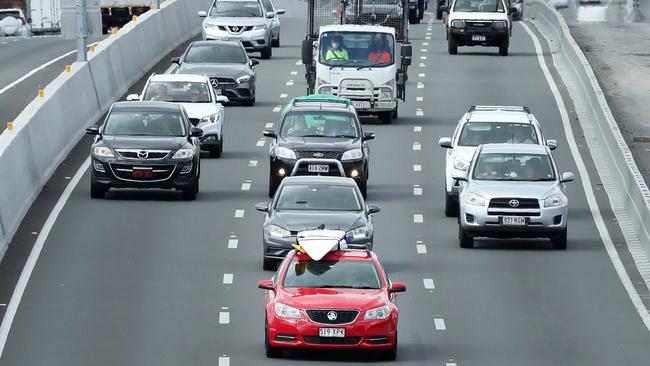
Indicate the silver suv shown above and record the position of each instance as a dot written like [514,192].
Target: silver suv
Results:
[513,191]
[241,20]
[484,124]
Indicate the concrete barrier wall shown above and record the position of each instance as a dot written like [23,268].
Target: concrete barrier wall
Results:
[50,126]
[627,191]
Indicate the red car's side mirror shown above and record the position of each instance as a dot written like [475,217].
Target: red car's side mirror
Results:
[266,285]
[397,287]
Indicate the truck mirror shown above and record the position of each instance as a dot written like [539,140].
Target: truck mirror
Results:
[307,51]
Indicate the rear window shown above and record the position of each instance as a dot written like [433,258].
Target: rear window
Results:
[145,124]
[332,274]
[478,133]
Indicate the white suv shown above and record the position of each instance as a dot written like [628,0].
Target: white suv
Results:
[484,125]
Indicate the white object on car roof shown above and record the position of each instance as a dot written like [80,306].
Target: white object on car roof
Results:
[317,243]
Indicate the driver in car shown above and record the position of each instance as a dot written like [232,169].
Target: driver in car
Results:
[336,51]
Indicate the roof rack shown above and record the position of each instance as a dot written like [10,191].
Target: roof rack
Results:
[321,98]
[505,108]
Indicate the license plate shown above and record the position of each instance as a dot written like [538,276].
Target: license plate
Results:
[318,168]
[360,104]
[332,332]
[478,37]
[142,174]
[513,220]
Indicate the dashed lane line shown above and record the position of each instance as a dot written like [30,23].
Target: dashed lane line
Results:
[423,57]
[290,83]
[419,112]
[277,108]
[417,128]
[417,167]
[252,163]
[283,95]
[224,360]
[260,142]
[417,146]
[422,64]
[418,218]
[233,243]
[239,213]
[421,248]
[417,190]
[269,125]
[421,75]
[246,186]
[224,317]
[420,85]
[440,323]
[428,283]
[294,72]
[419,99]
[227,278]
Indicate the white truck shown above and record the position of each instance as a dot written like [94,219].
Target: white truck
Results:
[46,16]
[358,49]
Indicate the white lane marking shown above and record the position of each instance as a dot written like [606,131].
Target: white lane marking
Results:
[224,361]
[587,187]
[421,75]
[428,38]
[428,283]
[227,278]
[450,364]
[269,125]
[246,186]
[224,317]
[422,64]
[423,50]
[417,167]
[417,146]
[417,190]
[294,72]
[277,108]
[232,243]
[418,218]
[428,33]
[420,85]
[425,43]
[26,273]
[423,57]
[417,128]
[419,112]
[252,163]
[290,82]
[239,213]
[440,323]
[419,99]
[260,142]
[283,95]
[299,62]
[421,248]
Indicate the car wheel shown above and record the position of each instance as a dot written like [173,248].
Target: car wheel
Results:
[273,185]
[559,242]
[190,193]
[271,352]
[97,191]
[451,206]
[276,42]
[503,47]
[413,17]
[216,152]
[249,102]
[464,240]
[386,117]
[267,52]
[438,12]
[421,9]
[269,265]
[395,115]
[391,353]
[452,45]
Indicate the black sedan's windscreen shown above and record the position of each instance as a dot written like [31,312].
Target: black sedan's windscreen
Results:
[237,9]
[178,92]
[332,274]
[318,197]
[516,167]
[216,54]
[319,124]
[478,133]
[144,124]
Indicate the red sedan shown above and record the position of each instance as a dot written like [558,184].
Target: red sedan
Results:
[344,300]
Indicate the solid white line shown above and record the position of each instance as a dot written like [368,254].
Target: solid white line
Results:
[239,213]
[428,283]
[227,278]
[224,361]
[587,187]
[417,167]
[260,142]
[19,290]
[269,125]
[418,218]
[440,323]
[246,186]
[34,71]
[417,128]
[232,243]
[224,317]
[421,248]
[252,163]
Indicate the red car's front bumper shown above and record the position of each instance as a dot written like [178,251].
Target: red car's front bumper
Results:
[303,333]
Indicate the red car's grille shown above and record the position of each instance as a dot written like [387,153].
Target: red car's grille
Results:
[328,340]
[332,316]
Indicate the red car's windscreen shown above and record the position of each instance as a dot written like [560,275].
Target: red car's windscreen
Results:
[332,274]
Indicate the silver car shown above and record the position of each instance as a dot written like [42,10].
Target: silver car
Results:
[513,191]
[275,22]
[484,124]
[242,20]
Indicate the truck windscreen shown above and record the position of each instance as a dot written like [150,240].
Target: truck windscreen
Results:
[357,49]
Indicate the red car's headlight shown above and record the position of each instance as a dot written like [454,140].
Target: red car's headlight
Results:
[379,313]
[286,311]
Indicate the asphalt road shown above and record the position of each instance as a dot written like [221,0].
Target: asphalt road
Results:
[137,279]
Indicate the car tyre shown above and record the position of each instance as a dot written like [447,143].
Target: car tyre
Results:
[386,117]
[267,52]
[273,185]
[271,352]
[216,152]
[249,102]
[452,45]
[413,17]
[421,6]
[503,47]
[464,240]
[269,265]
[391,353]
[97,191]
[276,42]
[190,193]
[395,114]
[560,242]
[451,206]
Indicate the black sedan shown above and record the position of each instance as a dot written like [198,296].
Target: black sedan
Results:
[145,145]
[311,202]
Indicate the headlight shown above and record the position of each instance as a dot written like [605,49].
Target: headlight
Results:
[286,311]
[209,26]
[279,232]
[352,154]
[210,119]
[243,79]
[386,94]
[259,27]
[104,152]
[475,199]
[283,152]
[500,24]
[461,164]
[557,199]
[184,154]
[359,233]
[458,23]
[379,313]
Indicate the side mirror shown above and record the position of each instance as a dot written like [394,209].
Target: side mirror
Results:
[307,51]
[552,144]
[444,9]
[196,132]
[445,142]
[265,285]
[133,97]
[368,136]
[202,14]
[407,54]
[373,209]
[460,178]
[269,133]
[270,15]
[254,62]
[397,287]
[176,60]
[567,177]
[513,10]
[280,11]
[93,130]
[262,206]
[222,99]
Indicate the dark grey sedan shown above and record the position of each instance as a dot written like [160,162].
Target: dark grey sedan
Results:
[312,202]
[227,65]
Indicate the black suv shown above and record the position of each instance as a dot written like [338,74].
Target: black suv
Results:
[319,127]
[145,145]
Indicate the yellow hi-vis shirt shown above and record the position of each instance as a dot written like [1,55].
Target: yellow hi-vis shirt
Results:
[337,55]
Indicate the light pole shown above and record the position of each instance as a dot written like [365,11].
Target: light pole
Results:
[81,30]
